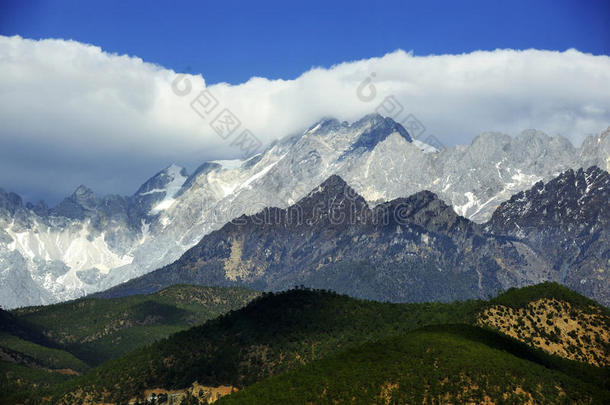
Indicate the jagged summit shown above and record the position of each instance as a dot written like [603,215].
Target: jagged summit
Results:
[127,236]
[159,192]
[426,209]
[369,130]
[576,198]
[333,198]
[9,201]
[334,186]
[83,195]
[332,239]
[78,205]
[375,129]
[160,181]
[567,220]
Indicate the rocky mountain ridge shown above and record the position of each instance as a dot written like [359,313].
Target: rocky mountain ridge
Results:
[408,249]
[87,244]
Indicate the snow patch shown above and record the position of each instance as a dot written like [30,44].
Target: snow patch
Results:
[314,129]
[260,174]
[424,147]
[172,188]
[229,164]
[472,202]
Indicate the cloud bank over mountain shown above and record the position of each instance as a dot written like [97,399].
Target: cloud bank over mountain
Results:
[72,113]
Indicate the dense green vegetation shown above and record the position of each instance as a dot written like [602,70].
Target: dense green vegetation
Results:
[279,333]
[96,330]
[453,363]
[521,297]
[41,355]
[273,334]
[24,384]
[41,347]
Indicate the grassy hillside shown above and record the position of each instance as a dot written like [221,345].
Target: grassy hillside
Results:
[21,384]
[36,355]
[455,364]
[41,347]
[281,332]
[96,330]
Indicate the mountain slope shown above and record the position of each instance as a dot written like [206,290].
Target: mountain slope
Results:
[411,249]
[566,220]
[30,361]
[97,330]
[88,244]
[281,332]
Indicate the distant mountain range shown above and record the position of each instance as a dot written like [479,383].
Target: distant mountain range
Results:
[409,249]
[88,244]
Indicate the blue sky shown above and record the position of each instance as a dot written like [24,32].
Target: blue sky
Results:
[75,114]
[232,41]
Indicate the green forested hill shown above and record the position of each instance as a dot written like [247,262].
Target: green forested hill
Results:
[99,329]
[448,364]
[280,332]
[272,334]
[307,333]
[40,347]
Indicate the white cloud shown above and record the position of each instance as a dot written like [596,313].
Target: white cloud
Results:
[72,113]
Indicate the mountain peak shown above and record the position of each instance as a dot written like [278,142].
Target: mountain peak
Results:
[173,170]
[374,129]
[334,182]
[9,201]
[84,197]
[83,191]
[334,187]
[173,176]
[325,124]
[426,209]
[570,201]
[81,202]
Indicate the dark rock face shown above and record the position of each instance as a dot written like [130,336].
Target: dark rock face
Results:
[408,249]
[78,205]
[573,202]
[566,220]
[9,202]
[376,129]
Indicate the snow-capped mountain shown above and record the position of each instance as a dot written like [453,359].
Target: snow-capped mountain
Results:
[403,250]
[87,244]
[408,249]
[566,220]
[58,254]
